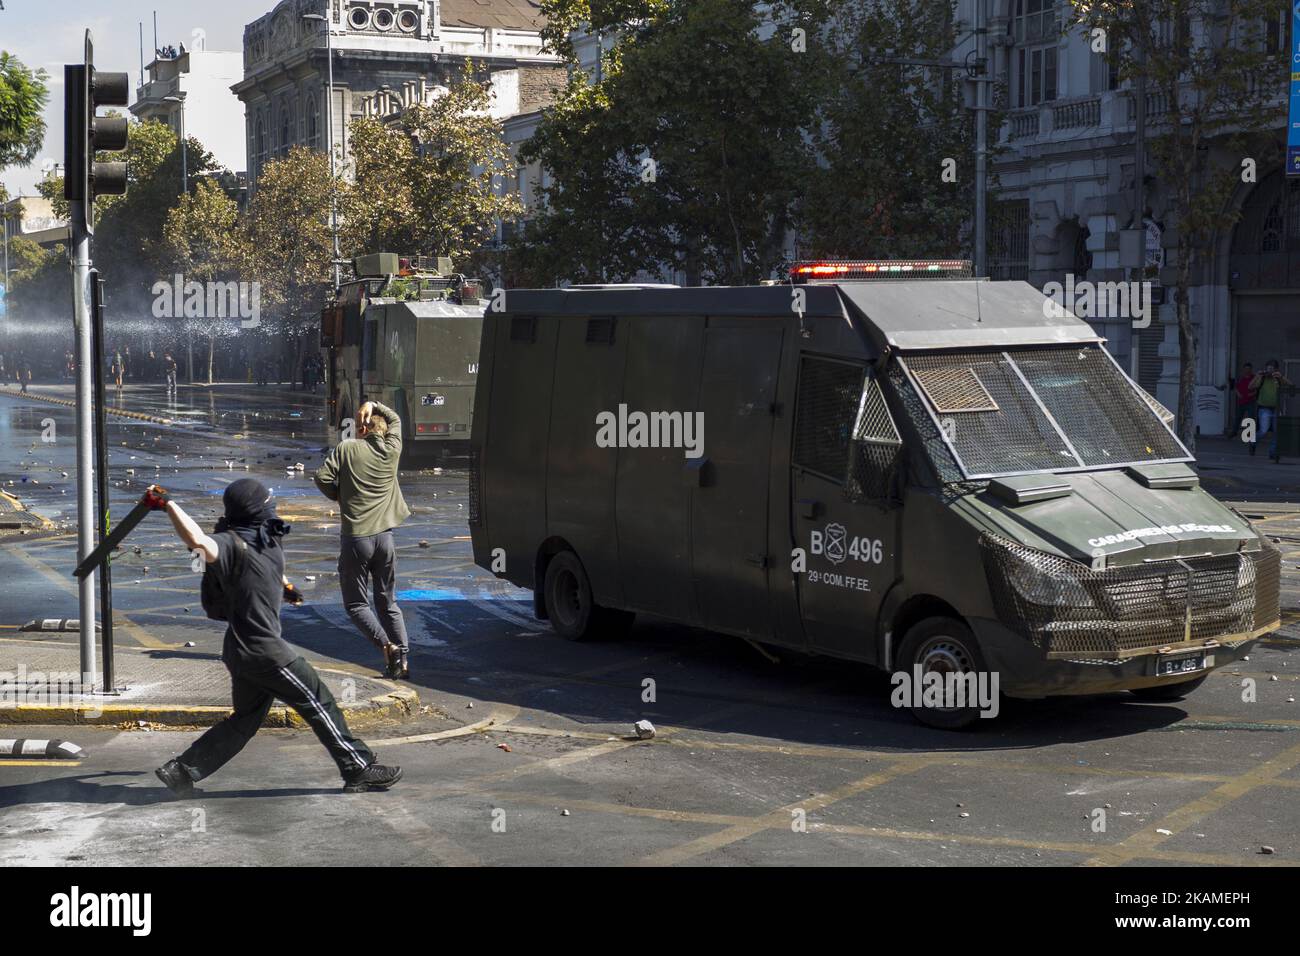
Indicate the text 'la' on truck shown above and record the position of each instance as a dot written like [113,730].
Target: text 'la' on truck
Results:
[938,477]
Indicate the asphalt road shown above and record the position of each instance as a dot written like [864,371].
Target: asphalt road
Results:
[754,762]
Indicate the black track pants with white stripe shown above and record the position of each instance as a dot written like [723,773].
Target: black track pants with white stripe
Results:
[252,693]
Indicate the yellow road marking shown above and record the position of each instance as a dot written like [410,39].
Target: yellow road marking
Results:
[5,762]
[782,815]
[1147,839]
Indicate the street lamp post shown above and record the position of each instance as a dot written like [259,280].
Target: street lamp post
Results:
[185,178]
[329,134]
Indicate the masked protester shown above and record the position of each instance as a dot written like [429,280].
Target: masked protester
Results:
[247,560]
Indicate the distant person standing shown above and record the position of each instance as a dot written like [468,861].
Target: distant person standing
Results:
[361,475]
[126,363]
[1268,398]
[25,371]
[1245,396]
[169,370]
[117,369]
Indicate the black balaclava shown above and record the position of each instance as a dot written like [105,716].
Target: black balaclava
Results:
[250,513]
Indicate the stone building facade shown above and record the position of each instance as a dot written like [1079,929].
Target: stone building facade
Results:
[387,55]
[1065,191]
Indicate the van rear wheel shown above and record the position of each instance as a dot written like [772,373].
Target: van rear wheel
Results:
[1169,691]
[942,646]
[573,612]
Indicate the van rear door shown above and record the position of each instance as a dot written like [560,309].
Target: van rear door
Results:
[729,502]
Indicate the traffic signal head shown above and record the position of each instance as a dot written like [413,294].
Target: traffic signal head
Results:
[86,134]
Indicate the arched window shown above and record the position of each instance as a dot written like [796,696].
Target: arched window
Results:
[286,127]
[313,122]
[1270,218]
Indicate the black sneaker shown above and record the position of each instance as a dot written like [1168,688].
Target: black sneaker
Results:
[403,670]
[374,777]
[177,778]
[392,662]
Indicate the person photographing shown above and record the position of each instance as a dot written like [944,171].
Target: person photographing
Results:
[1267,386]
[361,475]
[244,585]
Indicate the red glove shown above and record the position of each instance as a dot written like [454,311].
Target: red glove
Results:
[156,497]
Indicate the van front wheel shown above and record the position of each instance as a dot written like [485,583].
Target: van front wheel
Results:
[947,648]
[572,610]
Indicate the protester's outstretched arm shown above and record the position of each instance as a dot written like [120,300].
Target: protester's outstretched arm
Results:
[186,528]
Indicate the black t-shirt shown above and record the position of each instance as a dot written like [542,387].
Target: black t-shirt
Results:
[253,628]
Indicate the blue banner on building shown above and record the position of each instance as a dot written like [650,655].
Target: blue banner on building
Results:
[1293,120]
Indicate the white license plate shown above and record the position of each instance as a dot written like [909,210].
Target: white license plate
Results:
[1182,665]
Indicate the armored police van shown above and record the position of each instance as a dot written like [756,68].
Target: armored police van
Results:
[405,333]
[936,476]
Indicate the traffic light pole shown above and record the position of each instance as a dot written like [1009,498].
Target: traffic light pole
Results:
[86,522]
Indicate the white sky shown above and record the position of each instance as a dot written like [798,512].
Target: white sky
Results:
[49,33]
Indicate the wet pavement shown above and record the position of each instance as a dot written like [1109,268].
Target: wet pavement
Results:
[754,762]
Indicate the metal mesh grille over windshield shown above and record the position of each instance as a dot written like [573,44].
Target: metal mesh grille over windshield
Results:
[1093,403]
[1047,409]
[1016,436]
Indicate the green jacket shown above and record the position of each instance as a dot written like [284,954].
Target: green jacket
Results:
[361,474]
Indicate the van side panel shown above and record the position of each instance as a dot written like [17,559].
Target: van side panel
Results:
[653,508]
[579,474]
[518,441]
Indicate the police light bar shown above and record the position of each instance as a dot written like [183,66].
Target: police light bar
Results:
[849,270]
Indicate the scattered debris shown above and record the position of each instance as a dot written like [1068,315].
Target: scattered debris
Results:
[1267,850]
[423,543]
[564,813]
[1164,832]
[644,729]
[189,643]
[505,747]
[963,814]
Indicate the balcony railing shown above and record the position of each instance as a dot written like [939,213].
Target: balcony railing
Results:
[1078,114]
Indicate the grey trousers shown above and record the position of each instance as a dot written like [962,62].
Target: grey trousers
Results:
[370,563]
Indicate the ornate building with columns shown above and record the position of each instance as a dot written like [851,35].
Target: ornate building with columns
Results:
[387,54]
[1065,190]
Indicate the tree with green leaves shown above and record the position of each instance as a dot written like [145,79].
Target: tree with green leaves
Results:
[23,95]
[288,232]
[427,183]
[719,128]
[1205,62]
[205,240]
[689,152]
[896,141]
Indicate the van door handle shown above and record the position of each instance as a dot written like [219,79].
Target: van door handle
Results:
[809,507]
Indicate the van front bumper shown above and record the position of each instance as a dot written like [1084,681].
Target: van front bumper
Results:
[1026,671]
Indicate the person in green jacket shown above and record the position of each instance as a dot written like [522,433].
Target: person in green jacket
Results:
[361,475]
[1267,386]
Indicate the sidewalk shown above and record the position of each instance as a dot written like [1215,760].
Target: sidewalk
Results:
[1230,472]
[39,685]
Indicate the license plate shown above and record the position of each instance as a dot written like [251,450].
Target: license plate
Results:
[1182,665]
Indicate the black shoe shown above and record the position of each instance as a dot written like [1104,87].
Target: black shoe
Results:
[177,778]
[392,662]
[403,664]
[374,777]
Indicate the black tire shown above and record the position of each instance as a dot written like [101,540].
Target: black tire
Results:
[570,607]
[1169,691]
[945,645]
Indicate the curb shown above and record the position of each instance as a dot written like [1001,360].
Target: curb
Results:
[119,412]
[394,705]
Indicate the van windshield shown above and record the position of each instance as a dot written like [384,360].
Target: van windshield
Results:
[1038,409]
